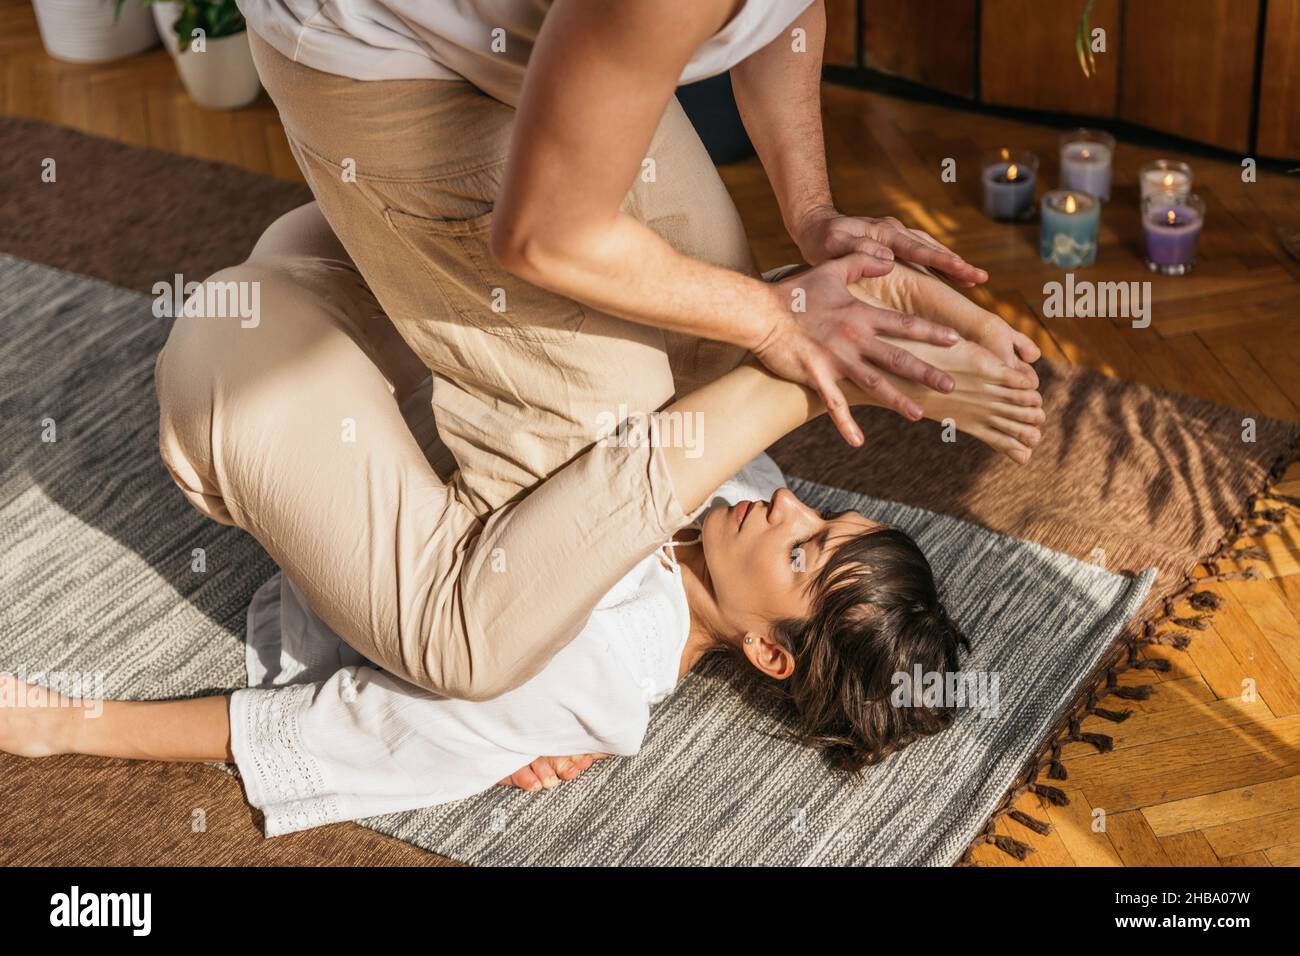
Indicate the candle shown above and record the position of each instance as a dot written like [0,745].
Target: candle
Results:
[1085,162]
[1009,178]
[1172,227]
[1166,176]
[1069,231]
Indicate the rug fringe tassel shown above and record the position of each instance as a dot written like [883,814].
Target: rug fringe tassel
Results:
[1177,639]
[1053,795]
[1024,819]
[1205,601]
[1114,716]
[1267,520]
[1011,846]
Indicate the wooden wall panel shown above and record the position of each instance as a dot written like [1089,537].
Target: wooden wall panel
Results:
[1279,95]
[841,24]
[928,41]
[1189,68]
[1028,60]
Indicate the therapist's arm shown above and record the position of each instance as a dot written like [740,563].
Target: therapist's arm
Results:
[599,79]
[778,92]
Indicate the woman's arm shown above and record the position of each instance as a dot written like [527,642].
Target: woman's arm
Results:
[41,723]
[736,417]
[177,730]
[38,722]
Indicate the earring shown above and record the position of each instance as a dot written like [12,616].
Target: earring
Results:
[749,640]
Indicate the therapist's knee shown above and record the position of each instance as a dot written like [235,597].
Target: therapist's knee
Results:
[465,668]
[211,343]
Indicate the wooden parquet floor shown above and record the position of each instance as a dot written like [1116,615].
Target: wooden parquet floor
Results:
[1198,776]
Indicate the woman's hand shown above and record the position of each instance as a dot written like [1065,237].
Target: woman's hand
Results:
[544,773]
[825,233]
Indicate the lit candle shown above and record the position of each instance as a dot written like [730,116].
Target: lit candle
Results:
[1172,227]
[1085,162]
[1069,231]
[1166,176]
[1009,178]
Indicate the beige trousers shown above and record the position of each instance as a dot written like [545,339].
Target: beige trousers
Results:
[406,173]
[425,555]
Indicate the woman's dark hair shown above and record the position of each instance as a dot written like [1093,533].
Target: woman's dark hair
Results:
[876,614]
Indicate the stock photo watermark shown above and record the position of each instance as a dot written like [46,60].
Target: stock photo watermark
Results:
[70,689]
[209,300]
[1085,299]
[623,428]
[979,691]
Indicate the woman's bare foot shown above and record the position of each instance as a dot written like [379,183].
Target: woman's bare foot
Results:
[914,290]
[34,721]
[991,401]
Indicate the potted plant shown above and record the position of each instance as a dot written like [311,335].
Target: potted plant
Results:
[92,31]
[208,39]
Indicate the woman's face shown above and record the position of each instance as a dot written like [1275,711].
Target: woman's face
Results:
[763,556]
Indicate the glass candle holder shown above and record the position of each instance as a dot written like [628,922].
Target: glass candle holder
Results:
[1167,176]
[1009,178]
[1085,162]
[1071,220]
[1172,228]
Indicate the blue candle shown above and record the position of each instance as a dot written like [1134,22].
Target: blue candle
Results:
[1009,179]
[1069,232]
[1172,228]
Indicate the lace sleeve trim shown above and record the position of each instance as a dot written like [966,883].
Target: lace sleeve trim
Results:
[281,778]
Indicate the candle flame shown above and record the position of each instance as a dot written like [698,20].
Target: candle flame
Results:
[1169,179]
[1006,153]
[1173,220]
[1012,172]
[1070,204]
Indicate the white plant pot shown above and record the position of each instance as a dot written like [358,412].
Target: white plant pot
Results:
[223,76]
[165,16]
[88,31]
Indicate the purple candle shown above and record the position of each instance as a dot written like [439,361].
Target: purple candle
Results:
[1172,228]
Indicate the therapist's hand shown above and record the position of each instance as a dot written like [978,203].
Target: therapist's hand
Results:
[823,232]
[544,773]
[826,335]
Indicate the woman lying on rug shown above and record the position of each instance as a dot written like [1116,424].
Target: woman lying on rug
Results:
[827,608]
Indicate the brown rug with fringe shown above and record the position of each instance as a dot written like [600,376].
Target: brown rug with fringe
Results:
[1127,475]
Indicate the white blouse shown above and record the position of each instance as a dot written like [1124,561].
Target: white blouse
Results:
[486,42]
[322,736]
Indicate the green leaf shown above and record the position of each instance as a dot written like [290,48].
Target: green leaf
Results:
[1082,44]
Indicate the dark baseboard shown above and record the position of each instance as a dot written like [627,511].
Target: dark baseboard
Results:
[877,82]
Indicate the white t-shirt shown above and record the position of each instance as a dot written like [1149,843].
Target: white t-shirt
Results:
[486,42]
[320,736]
